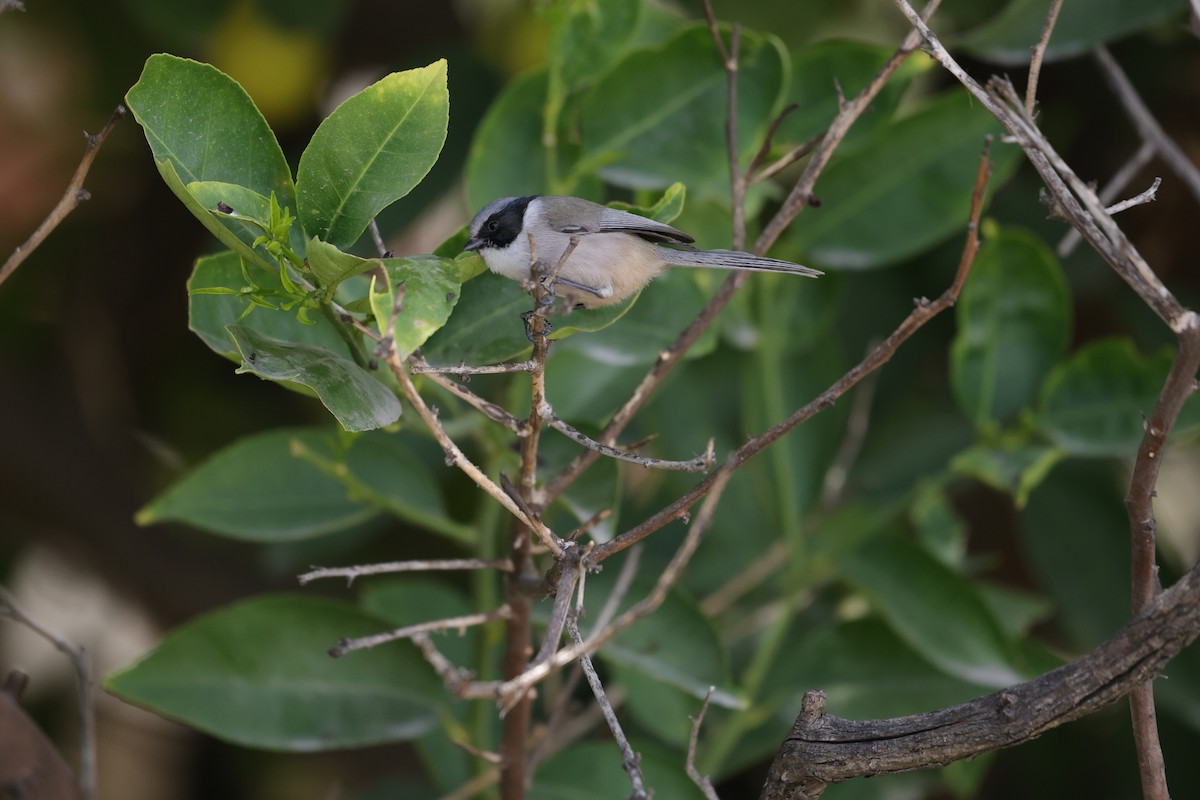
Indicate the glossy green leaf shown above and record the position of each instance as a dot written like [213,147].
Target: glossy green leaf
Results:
[589,37]
[331,266]
[487,326]
[381,469]
[676,132]
[432,287]
[256,489]
[198,197]
[356,398]
[935,610]
[251,213]
[1010,36]
[1076,536]
[202,123]
[1096,402]
[209,315]
[1014,319]
[865,670]
[905,190]
[371,151]
[820,70]
[1013,465]
[258,674]
[507,158]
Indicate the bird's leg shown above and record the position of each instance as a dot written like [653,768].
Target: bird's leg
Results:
[527,318]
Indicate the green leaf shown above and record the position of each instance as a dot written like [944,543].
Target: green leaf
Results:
[432,287]
[1008,38]
[820,70]
[649,139]
[590,37]
[250,216]
[210,314]
[487,327]
[935,610]
[1076,536]
[256,490]
[1096,403]
[371,151]
[903,191]
[352,395]
[379,468]
[940,529]
[202,124]
[507,158]
[1013,465]
[1013,322]
[865,670]
[331,266]
[258,674]
[592,771]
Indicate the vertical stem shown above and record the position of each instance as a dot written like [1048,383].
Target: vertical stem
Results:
[525,578]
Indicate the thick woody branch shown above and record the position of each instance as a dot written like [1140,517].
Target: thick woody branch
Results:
[823,749]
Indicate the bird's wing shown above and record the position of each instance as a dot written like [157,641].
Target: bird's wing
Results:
[615,221]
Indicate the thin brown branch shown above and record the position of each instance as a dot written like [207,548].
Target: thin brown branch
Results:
[72,197]
[737,178]
[455,678]
[787,159]
[1145,123]
[925,310]
[85,702]
[455,456]
[630,760]
[856,433]
[701,463]
[1143,156]
[802,193]
[647,605]
[1039,53]
[748,579]
[421,367]
[486,407]
[1148,196]
[345,646]
[702,781]
[434,565]
[823,749]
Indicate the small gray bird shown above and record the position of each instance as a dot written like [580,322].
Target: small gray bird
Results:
[618,253]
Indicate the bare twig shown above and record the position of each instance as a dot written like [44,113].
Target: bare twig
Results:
[852,442]
[421,367]
[630,760]
[377,239]
[74,195]
[455,678]
[440,565]
[474,787]
[1145,123]
[486,407]
[1039,53]
[455,456]
[1114,187]
[82,665]
[702,781]
[1148,196]
[700,463]
[647,605]
[345,646]
[787,159]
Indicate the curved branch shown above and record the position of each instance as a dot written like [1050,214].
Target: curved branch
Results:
[823,749]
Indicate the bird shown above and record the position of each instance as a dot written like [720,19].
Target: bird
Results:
[616,254]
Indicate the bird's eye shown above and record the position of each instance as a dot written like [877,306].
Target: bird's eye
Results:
[493,226]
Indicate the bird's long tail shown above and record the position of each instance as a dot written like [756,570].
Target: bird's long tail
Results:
[733,259]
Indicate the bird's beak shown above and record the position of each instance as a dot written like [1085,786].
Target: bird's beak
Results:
[473,244]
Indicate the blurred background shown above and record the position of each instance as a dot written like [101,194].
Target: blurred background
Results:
[106,397]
